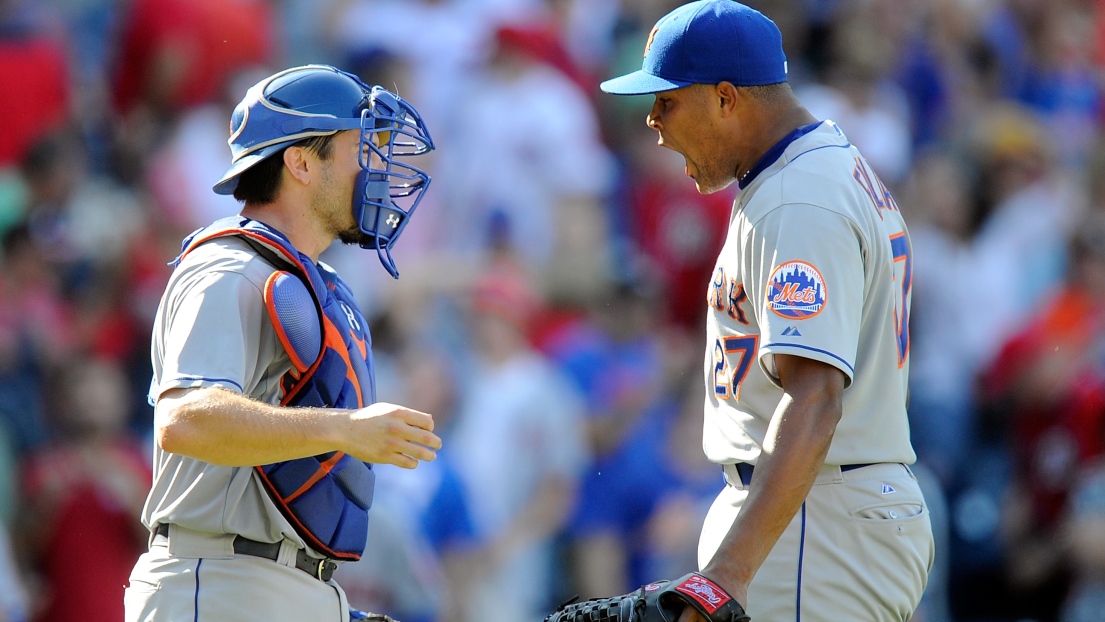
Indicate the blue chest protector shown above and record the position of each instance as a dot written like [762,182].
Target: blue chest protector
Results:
[325,497]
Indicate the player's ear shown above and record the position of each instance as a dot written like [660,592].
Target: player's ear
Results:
[725,97]
[296,164]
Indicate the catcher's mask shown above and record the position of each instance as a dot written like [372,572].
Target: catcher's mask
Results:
[317,100]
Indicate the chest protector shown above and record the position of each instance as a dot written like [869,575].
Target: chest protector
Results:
[325,497]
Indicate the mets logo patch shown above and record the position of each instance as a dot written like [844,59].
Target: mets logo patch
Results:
[796,291]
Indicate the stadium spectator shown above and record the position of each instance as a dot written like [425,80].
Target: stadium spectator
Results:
[678,230]
[82,494]
[35,75]
[857,92]
[14,602]
[175,54]
[641,507]
[1083,525]
[34,335]
[942,368]
[1047,385]
[528,151]
[519,448]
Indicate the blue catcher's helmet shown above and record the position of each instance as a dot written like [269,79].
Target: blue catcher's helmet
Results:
[316,100]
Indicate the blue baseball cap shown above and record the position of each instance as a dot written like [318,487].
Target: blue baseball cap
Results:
[707,42]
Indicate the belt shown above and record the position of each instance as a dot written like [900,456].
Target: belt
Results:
[321,569]
[745,469]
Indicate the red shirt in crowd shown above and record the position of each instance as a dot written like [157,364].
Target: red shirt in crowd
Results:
[180,53]
[1048,382]
[35,95]
[682,231]
[87,534]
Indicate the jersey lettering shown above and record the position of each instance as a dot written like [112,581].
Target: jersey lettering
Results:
[874,188]
[887,199]
[899,244]
[714,295]
[727,299]
[737,295]
[726,385]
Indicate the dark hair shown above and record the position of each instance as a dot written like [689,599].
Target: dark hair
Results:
[769,94]
[259,183]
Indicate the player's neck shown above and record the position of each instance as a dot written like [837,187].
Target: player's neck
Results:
[294,222]
[776,125]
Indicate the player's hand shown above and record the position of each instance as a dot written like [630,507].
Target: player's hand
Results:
[385,433]
[690,615]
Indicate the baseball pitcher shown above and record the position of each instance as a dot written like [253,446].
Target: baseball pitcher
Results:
[807,345]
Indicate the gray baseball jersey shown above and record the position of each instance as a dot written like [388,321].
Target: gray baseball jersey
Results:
[212,330]
[816,264]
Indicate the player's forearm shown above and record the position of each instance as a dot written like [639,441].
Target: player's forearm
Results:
[226,428]
[797,442]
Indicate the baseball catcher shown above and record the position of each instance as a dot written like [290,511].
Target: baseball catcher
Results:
[662,601]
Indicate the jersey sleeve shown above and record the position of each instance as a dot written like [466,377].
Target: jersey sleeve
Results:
[211,338]
[805,265]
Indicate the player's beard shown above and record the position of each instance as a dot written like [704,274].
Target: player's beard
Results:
[335,208]
[355,236]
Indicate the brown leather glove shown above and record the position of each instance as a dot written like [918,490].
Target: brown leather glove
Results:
[662,601]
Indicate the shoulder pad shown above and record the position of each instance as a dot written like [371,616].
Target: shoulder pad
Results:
[295,316]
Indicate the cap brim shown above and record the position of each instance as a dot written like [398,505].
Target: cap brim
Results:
[229,181]
[641,83]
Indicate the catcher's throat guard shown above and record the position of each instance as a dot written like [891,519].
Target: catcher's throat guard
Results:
[662,601]
[319,100]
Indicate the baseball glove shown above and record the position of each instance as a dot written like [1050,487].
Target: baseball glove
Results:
[662,601]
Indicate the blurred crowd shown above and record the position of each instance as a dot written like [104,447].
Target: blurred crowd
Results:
[551,303]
